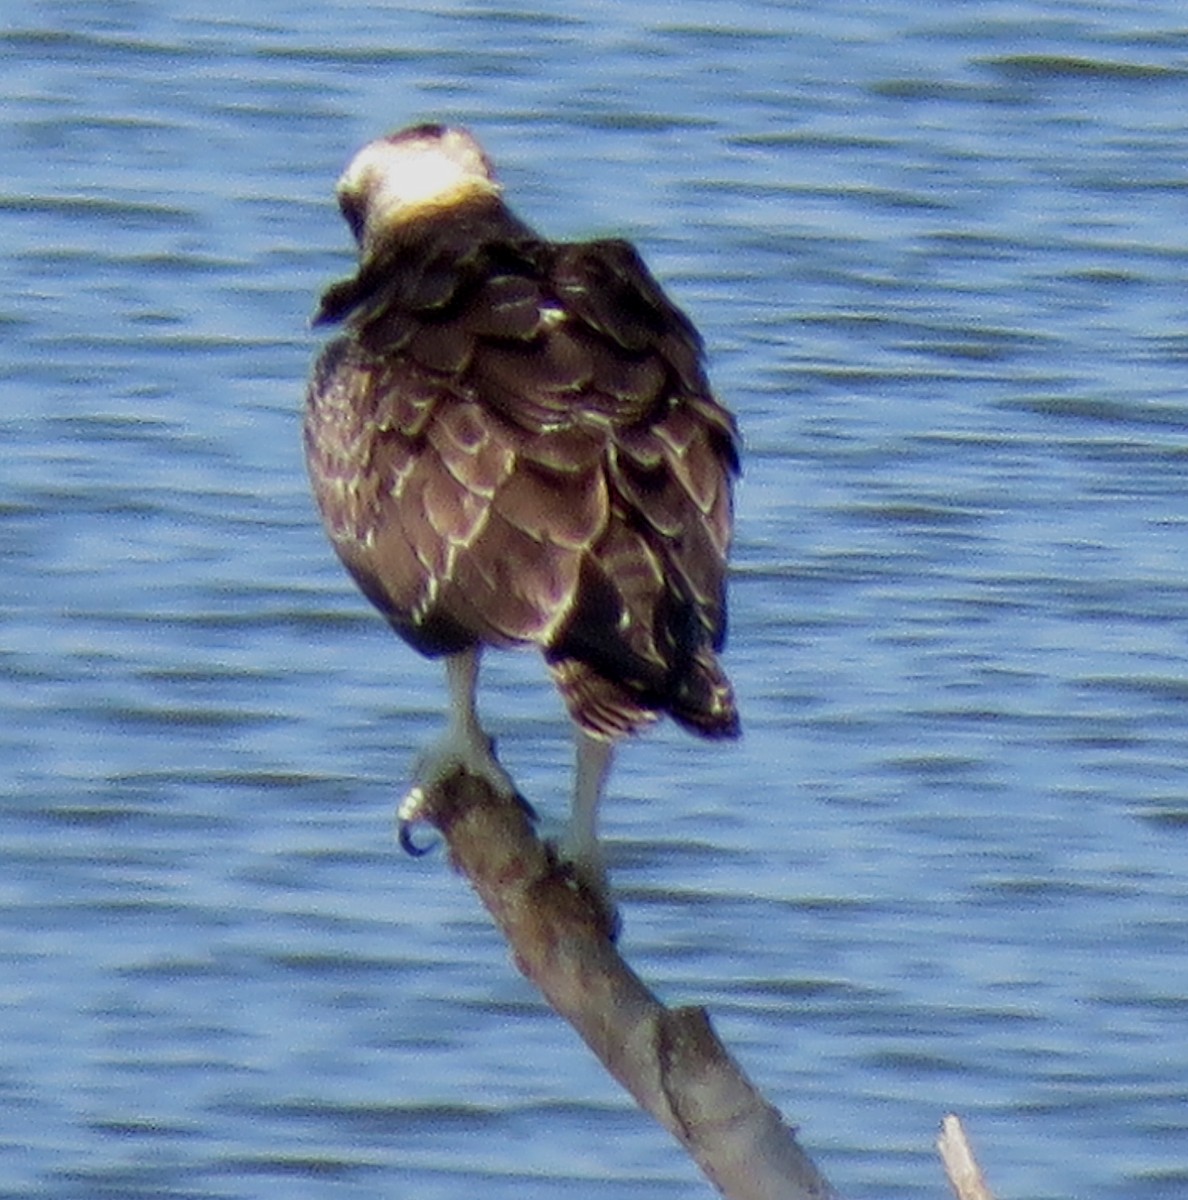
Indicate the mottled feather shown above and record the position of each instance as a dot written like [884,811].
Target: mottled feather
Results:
[515,442]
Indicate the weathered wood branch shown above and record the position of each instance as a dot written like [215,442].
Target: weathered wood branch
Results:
[670,1060]
[965,1177]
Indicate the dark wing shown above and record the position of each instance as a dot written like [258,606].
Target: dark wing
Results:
[455,483]
[515,442]
[651,610]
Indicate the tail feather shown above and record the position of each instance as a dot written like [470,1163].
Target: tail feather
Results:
[700,699]
[600,707]
[703,700]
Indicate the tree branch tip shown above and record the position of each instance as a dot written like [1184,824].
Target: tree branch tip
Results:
[961,1167]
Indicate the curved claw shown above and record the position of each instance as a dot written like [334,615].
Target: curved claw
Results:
[404,834]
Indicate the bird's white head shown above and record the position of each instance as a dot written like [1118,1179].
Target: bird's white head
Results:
[409,173]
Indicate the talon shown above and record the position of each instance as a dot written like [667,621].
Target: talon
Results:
[409,809]
[404,834]
[530,812]
[408,814]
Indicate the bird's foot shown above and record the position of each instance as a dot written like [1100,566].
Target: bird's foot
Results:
[585,869]
[473,753]
[457,752]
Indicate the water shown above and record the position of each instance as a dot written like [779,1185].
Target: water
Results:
[939,258]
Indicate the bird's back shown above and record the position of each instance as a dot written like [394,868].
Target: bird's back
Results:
[515,442]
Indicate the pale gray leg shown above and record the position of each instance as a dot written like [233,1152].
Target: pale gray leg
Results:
[594,757]
[465,744]
[462,671]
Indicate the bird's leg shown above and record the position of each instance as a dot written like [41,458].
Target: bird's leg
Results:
[594,756]
[465,745]
[580,846]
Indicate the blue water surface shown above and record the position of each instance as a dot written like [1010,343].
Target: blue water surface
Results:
[938,256]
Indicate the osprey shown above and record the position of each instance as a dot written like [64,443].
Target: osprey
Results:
[514,443]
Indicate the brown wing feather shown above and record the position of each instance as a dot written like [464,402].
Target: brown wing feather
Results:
[516,442]
[653,608]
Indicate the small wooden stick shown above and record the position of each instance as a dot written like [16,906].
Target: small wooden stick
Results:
[965,1177]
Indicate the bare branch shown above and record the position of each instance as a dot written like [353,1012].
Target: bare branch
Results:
[670,1060]
[961,1167]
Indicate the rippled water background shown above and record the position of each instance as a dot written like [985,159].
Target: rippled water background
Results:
[939,256]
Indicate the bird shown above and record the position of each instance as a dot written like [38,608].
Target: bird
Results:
[513,442]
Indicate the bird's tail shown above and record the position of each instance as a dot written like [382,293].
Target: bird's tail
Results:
[703,698]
